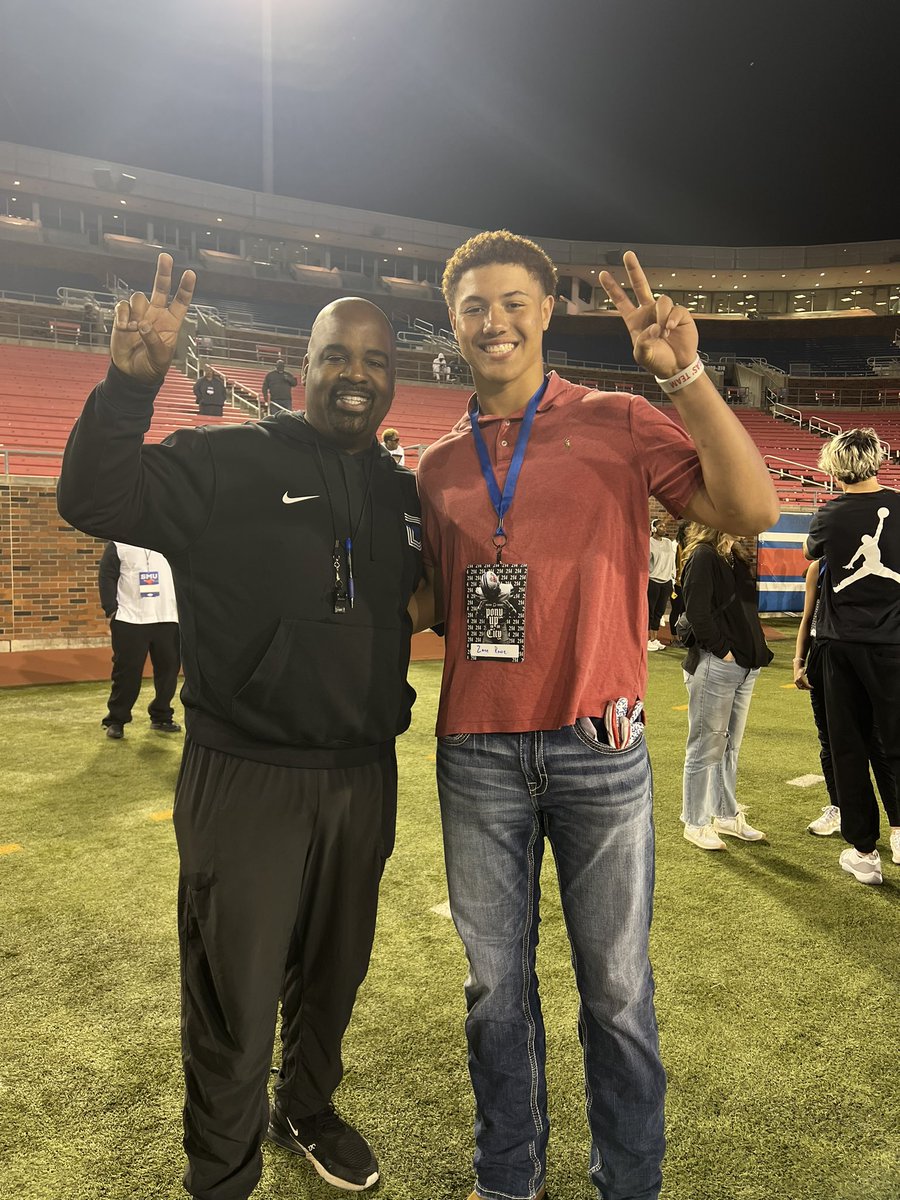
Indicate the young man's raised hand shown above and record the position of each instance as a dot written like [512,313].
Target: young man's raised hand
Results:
[145,332]
[664,335]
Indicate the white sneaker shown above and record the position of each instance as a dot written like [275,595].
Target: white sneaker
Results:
[704,836]
[895,846]
[864,867]
[828,823]
[655,644]
[738,827]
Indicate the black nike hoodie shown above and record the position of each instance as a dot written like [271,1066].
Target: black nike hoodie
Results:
[248,516]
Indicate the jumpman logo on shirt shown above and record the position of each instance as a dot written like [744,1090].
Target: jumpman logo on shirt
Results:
[870,553]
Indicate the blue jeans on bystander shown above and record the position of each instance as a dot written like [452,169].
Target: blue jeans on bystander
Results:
[501,796]
[719,695]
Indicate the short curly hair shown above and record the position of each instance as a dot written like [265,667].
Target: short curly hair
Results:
[853,456]
[498,246]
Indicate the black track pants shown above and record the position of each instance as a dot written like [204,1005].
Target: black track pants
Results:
[280,869]
[657,597]
[862,685]
[131,643]
[881,767]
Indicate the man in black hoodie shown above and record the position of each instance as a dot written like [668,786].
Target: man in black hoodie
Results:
[295,547]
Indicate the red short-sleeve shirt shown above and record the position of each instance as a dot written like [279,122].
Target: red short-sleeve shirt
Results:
[580,521]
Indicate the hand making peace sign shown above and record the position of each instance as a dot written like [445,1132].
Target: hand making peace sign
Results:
[145,332]
[664,335]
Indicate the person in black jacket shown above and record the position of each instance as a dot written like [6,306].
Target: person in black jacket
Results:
[295,547]
[209,391]
[278,386]
[720,672]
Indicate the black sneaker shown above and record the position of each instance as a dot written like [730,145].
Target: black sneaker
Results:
[165,726]
[341,1156]
[114,731]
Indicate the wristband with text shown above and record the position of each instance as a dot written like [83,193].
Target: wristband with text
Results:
[683,377]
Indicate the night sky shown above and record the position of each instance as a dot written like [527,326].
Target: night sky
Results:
[692,122]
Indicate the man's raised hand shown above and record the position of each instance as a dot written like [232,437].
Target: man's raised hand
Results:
[664,335]
[145,332]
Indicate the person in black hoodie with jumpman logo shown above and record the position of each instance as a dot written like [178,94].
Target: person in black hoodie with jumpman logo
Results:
[295,547]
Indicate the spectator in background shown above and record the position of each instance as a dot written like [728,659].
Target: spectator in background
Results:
[93,328]
[137,593]
[662,577]
[390,439]
[277,387]
[808,678]
[445,371]
[858,629]
[438,363]
[209,391]
[720,672]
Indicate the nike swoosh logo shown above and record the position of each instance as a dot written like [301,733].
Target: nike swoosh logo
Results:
[286,499]
[293,1128]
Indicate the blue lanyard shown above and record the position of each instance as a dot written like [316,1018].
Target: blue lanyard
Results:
[502,501]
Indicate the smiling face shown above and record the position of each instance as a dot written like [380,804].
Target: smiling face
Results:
[349,373]
[499,315]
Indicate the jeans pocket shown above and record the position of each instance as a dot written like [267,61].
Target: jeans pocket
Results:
[598,747]
[454,739]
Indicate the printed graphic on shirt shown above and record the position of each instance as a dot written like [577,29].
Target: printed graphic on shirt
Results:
[148,584]
[870,553]
[495,611]
[413,531]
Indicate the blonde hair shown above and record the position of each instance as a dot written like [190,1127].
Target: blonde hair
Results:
[696,534]
[853,456]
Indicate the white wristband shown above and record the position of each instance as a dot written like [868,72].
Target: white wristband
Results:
[682,378]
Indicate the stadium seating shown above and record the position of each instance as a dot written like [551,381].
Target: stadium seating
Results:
[42,393]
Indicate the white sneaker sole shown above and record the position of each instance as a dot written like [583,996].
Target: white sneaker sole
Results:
[870,878]
[341,1183]
[822,832]
[700,845]
[742,837]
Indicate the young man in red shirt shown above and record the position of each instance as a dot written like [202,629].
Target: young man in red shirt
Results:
[534,509]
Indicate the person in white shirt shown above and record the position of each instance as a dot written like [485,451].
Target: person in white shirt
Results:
[137,593]
[390,439]
[438,366]
[659,586]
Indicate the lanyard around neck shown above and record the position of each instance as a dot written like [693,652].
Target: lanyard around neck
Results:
[502,501]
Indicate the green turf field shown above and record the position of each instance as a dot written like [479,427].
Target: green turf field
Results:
[777,978]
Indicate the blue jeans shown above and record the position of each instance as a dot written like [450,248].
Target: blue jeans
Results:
[718,702]
[501,795]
